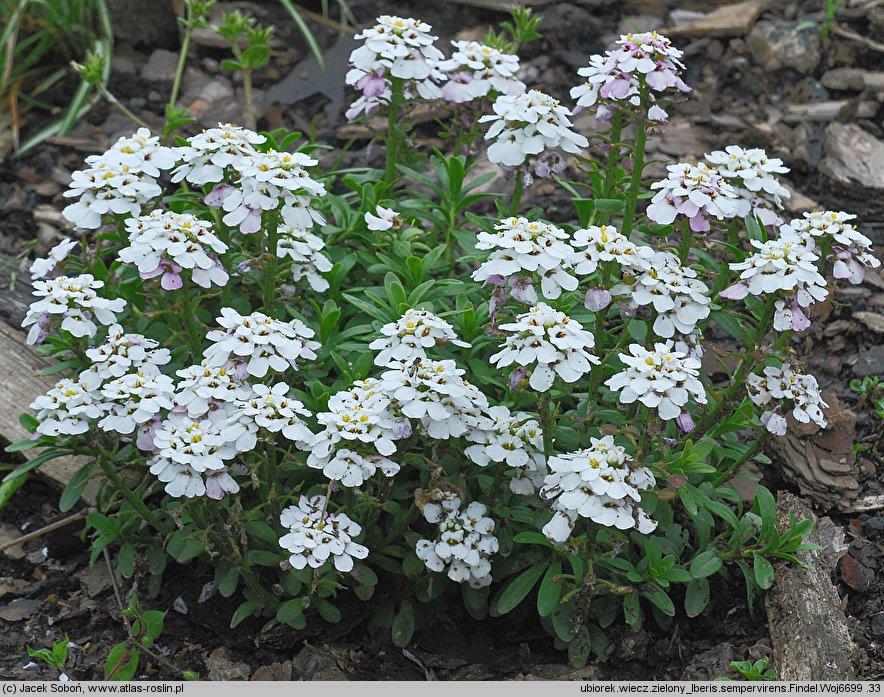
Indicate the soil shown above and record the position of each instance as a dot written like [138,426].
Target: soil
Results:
[48,590]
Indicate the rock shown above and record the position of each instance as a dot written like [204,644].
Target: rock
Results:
[853,156]
[710,664]
[146,23]
[215,91]
[872,320]
[798,202]
[221,667]
[19,609]
[311,663]
[830,110]
[95,580]
[832,543]
[275,671]
[870,362]
[160,67]
[725,21]
[777,44]
[13,586]
[855,573]
[8,533]
[853,79]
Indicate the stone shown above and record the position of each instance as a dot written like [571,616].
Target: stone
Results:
[311,662]
[870,362]
[852,155]
[144,23]
[19,609]
[829,110]
[161,66]
[853,79]
[221,667]
[710,664]
[726,21]
[777,44]
[275,671]
[13,586]
[872,320]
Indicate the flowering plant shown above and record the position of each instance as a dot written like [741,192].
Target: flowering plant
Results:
[313,379]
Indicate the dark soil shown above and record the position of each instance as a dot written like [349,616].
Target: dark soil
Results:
[47,589]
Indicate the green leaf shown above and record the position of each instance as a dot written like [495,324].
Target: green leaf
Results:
[74,489]
[659,598]
[766,507]
[549,593]
[764,571]
[579,648]
[705,564]
[403,625]
[532,538]
[292,613]
[637,329]
[475,600]
[327,611]
[120,664]
[226,579]
[260,530]
[518,588]
[244,611]
[182,548]
[154,620]
[126,560]
[632,610]
[262,557]
[696,597]
[729,322]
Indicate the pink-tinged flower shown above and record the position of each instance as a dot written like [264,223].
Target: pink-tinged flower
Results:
[216,196]
[517,377]
[685,422]
[695,192]
[144,439]
[597,299]
[386,219]
[790,316]
[171,275]
[738,291]
[775,423]
[372,84]
[522,289]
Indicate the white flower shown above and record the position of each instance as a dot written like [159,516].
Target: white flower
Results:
[399,48]
[600,483]
[260,341]
[75,301]
[524,246]
[411,335]
[180,240]
[526,125]
[752,173]
[437,505]
[122,353]
[784,383]
[210,153]
[68,407]
[513,439]
[464,544]
[617,77]
[139,153]
[604,244]
[474,70]
[315,536]
[135,399]
[663,379]
[360,414]
[386,219]
[436,393]
[352,469]
[555,342]
[274,410]
[679,298]
[786,264]
[696,192]
[851,250]
[41,267]
[305,251]
[202,386]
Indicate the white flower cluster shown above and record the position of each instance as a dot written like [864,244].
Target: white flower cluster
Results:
[526,125]
[265,179]
[464,544]
[276,411]
[135,399]
[122,353]
[475,70]
[305,251]
[259,341]
[784,383]
[696,192]
[515,440]
[208,154]
[851,250]
[315,535]
[410,336]
[75,301]
[663,379]
[558,345]
[42,267]
[203,387]
[533,247]
[641,60]
[752,173]
[605,243]
[67,408]
[679,298]
[395,47]
[785,265]
[120,181]
[600,483]
[167,243]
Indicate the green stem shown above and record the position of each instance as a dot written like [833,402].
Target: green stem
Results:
[118,105]
[687,236]
[270,268]
[545,413]
[517,193]
[613,154]
[393,133]
[136,502]
[193,332]
[249,115]
[182,58]
[735,467]
[638,166]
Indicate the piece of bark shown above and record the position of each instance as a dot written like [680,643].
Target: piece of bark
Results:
[19,385]
[853,156]
[821,462]
[725,21]
[808,629]
[15,291]
[822,112]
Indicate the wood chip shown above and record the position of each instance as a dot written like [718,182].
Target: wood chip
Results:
[725,21]
[853,156]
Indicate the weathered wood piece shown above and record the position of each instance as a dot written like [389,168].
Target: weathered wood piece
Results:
[853,156]
[808,629]
[19,385]
[724,21]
